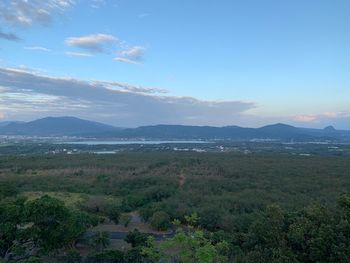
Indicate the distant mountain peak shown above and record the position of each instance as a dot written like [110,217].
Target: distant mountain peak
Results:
[278,126]
[329,128]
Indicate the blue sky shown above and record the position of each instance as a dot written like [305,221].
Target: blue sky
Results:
[195,62]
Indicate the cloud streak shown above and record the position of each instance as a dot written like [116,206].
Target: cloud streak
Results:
[130,88]
[92,43]
[132,55]
[105,43]
[9,36]
[44,49]
[127,105]
[77,54]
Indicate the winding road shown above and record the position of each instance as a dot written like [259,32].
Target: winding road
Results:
[122,235]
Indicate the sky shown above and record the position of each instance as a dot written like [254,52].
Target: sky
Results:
[135,62]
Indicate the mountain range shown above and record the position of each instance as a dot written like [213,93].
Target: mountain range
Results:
[71,126]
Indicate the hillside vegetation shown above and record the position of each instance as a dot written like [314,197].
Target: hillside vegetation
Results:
[241,208]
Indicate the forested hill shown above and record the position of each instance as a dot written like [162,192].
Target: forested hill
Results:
[55,126]
[70,126]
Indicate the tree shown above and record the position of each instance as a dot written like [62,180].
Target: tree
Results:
[50,220]
[11,216]
[113,213]
[143,248]
[7,190]
[77,227]
[191,247]
[101,241]
[109,256]
[149,250]
[38,227]
[192,220]
[210,218]
[136,238]
[125,219]
[31,260]
[73,256]
[133,255]
[160,221]
[266,238]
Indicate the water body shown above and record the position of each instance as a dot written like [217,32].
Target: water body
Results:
[133,142]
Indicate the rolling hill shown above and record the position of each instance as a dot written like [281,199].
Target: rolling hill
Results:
[56,126]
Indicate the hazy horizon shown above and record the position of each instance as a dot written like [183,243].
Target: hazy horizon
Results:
[134,63]
[159,124]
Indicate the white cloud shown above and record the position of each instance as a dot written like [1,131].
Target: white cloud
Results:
[92,43]
[104,43]
[29,12]
[331,114]
[305,118]
[77,54]
[317,118]
[132,55]
[339,119]
[30,95]
[125,60]
[35,48]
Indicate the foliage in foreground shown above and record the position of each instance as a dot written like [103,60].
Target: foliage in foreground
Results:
[39,227]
